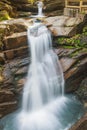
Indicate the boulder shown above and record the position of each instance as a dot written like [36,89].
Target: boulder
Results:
[6,108]
[16,40]
[75,75]
[8,102]
[82,91]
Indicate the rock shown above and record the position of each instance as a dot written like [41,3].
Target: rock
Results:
[67,63]
[19,52]
[19,62]
[21,82]
[64,25]
[81,124]
[82,91]
[8,107]
[51,6]
[75,75]
[22,71]
[14,41]
[8,102]
[6,96]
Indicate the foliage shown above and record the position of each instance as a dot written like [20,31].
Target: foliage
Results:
[4,15]
[77,41]
[33,1]
[7,10]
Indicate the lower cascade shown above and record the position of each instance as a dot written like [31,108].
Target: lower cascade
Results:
[44,104]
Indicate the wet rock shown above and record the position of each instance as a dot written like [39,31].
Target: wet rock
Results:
[82,91]
[6,96]
[19,62]
[75,75]
[8,107]
[8,102]
[81,124]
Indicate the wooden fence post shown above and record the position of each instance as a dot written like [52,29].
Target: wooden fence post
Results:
[81,2]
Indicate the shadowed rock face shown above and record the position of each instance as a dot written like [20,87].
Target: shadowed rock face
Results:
[51,5]
[9,8]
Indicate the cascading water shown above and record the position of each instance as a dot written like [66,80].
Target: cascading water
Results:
[40,7]
[44,106]
[40,10]
[45,78]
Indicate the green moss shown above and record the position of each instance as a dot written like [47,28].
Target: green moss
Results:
[4,15]
[77,41]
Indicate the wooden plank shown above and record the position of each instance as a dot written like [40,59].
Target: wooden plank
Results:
[73,0]
[66,3]
[84,6]
[73,6]
[80,4]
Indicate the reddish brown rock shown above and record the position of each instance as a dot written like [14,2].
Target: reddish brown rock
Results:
[14,41]
[67,63]
[8,102]
[19,52]
[8,107]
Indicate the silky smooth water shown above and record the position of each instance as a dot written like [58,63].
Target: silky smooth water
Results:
[40,10]
[44,104]
[40,7]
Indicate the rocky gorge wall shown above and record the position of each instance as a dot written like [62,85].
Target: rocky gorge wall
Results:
[15,61]
[14,8]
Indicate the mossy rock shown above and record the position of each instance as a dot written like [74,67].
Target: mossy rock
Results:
[4,15]
[7,10]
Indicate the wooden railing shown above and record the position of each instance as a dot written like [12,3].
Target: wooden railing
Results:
[81,5]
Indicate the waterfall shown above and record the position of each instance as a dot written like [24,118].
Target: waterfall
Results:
[40,7]
[45,80]
[44,105]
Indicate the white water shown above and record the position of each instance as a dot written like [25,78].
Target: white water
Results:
[44,106]
[40,10]
[45,79]
[40,7]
